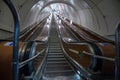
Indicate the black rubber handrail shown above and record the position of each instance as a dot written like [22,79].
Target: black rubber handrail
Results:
[95,49]
[71,31]
[39,72]
[97,35]
[29,27]
[39,27]
[79,67]
[93,55]
[76,31]
[46,33]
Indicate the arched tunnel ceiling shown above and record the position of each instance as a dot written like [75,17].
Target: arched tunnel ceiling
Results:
[58,1]
[62,4]
[98,15]
[41,5]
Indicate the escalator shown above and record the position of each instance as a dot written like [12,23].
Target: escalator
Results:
[25,52]
[58,62]
[102,66]
[57,67]
[87,33]
[33,32]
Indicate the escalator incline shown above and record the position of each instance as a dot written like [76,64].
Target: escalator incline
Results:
[57,66]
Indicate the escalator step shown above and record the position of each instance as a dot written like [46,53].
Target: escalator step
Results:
[53,61]
[56,59]
[55,56]
[57,63]
[55,48]
[54,51]
[58,68]
[59,73]
[54,43]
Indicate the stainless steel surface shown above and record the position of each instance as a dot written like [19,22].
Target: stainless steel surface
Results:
[57,67]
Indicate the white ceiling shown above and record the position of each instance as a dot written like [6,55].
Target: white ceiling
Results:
[94,14]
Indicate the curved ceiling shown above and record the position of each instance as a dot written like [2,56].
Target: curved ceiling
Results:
[100,16]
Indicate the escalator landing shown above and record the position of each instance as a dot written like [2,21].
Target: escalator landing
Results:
[70,77]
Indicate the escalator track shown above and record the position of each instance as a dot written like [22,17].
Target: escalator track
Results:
[90,34]
[107,48]
[31,34]
[87,62]
[57,67]
[67,35]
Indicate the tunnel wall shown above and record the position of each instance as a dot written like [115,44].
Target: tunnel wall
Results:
[6,19]
[100,16]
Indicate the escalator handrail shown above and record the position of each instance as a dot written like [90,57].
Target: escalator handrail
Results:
[90,54]
[71,32]
[68,36]
[42,28]
[99,36]
[24,31]
[77,31]
[31,34]
[93,49]
[47,33]
[80,34]
[27,28]
[80,68]
[39,73]
[22,64]
[32,28]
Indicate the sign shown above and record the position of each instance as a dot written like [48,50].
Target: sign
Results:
[9,44]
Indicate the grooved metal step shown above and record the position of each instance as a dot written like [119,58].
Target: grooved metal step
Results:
[54,56]
[60,73]
[55,43]
[55,51]
[56,59]
[53,48]
[56,64]
[59,68]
